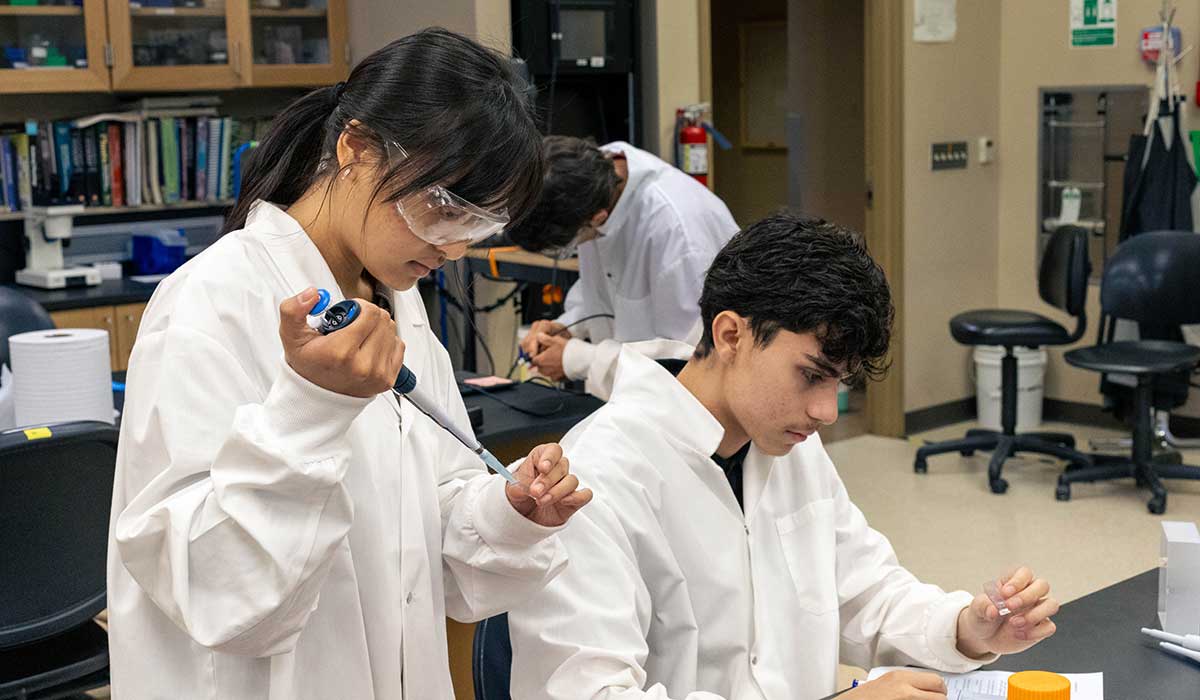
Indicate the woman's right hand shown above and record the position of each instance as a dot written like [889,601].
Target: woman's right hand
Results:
[900,685]
[361,359]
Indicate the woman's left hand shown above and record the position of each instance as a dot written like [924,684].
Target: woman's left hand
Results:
[546,492]
[982,630]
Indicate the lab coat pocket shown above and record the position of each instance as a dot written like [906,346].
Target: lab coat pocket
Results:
[634,318]
[808,540]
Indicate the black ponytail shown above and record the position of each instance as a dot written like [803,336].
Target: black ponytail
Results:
[457,108]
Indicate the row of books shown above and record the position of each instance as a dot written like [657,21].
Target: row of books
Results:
[138,158]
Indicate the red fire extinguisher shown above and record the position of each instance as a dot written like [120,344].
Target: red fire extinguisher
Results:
[693,145]
[691,141]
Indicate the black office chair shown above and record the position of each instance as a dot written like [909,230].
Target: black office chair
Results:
[1152,279]
[491,662]
[55,497]
[19,314]
[1062,283]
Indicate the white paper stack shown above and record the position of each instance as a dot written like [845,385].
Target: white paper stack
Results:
[61,375]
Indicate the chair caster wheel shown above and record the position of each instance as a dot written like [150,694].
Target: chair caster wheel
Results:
[967,453]
[999,486]
[1072,466]
[1063,492]
[919,465]
[1157,505]
[1069,442]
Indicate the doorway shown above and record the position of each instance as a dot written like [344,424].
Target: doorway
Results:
[792,83]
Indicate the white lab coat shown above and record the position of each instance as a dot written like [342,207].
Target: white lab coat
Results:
[274,540]
[648,268]
[673,593]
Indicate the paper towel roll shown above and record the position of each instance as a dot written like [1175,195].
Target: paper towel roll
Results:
[61,375]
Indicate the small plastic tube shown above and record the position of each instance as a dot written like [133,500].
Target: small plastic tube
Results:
[992,589]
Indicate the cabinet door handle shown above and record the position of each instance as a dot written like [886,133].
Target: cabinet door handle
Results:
[237,58]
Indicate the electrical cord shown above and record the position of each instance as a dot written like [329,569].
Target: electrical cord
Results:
[558,332]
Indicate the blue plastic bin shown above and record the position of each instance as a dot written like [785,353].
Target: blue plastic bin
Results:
[159,252]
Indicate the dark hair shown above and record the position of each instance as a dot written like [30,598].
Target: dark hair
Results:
[804,275]
[579,182]
[456,107]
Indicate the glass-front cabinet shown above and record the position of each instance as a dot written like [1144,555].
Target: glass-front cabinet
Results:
[170,45]
[176,44]
[52,46]
[297,42]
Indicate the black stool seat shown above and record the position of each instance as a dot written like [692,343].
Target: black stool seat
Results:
[1136,357]
[1007,327]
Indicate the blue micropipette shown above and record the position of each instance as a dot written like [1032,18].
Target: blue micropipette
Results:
[342,314]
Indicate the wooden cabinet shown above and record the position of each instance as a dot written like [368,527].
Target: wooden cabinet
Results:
[128,319]
[62,45]
[121,322]
[177,48]
[298,42]
[155,45]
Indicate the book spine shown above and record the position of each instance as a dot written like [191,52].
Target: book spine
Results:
[101,131]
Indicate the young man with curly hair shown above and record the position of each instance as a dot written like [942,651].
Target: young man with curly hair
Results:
[722,556]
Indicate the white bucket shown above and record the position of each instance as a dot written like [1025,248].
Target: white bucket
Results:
[1031,371]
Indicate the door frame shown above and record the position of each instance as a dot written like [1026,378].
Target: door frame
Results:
[883,85]
[884,103]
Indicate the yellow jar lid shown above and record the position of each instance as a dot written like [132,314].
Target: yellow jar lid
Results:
[1038,685]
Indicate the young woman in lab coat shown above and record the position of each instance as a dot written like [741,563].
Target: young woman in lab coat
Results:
[283,526]
[723,557]
[645,232]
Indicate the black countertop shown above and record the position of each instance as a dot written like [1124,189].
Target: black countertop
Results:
[1101,632]
[107,293]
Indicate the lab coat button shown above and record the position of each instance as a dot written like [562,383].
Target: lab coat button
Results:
[754,659]
[409,599]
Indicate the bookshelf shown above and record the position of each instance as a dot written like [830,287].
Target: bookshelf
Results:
[144,209]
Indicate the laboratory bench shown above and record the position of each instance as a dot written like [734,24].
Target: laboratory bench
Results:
[1102,632]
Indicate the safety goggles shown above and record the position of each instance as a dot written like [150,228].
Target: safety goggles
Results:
[439,217]
[586,233]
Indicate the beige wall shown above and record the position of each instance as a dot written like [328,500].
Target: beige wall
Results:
[751,182]
[673,59]
[1034,53]
[374,23]
[951,93]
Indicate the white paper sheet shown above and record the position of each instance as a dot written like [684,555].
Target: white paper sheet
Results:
[993,685]
[934,21]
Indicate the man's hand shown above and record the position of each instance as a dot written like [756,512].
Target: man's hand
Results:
[546,492]
[549,362]
[900,685]
[530,342]
[981,629]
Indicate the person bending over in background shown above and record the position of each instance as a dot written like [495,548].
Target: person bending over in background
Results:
[645,232]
